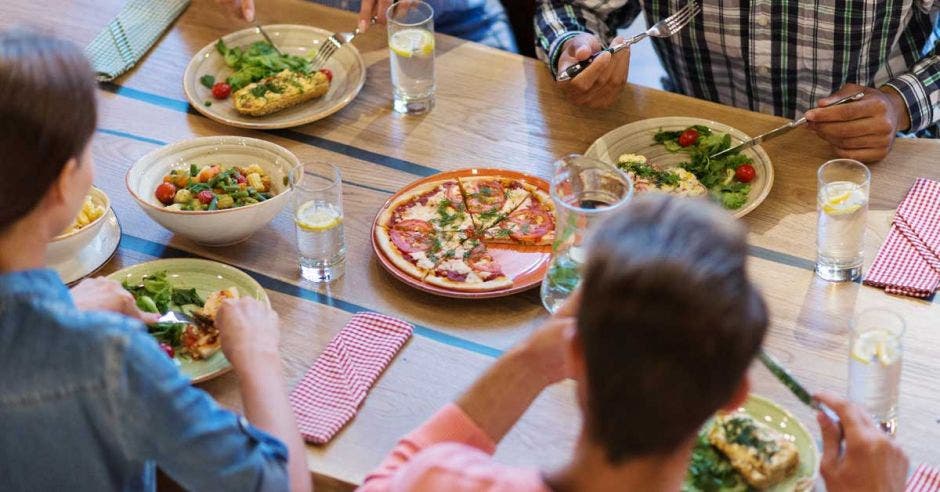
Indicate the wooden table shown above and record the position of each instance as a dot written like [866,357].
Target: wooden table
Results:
[493,109]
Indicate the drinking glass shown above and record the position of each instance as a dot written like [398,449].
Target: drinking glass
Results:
[842,207]
[875,365]
[317,203]
[411,53]
[584,191]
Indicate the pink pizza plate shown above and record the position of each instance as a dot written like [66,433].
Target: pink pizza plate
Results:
[525,265]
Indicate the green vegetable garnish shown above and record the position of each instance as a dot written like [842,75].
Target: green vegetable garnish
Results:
[207,80]
[710,471]
[258,61]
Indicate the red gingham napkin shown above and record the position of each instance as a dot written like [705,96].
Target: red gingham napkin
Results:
[908,262]
[330,393]
[924,479]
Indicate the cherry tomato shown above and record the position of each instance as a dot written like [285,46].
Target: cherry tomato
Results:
[167,349]
[221,90]
[688,137]
[240,179]
[488,196]
[745,173]
[529,224]
[205,196]
[411,236]
[165,193]
[328,73]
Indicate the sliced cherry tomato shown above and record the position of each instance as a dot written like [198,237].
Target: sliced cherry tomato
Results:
[165,193]
[167,349]
[529,224]
[411,236]
[688,137]
[745,173]
[239,178]
[221,90]
[489,195]
[205,196]
[481,261]
[328,73]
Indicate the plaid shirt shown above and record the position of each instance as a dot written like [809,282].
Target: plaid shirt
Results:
[776,57]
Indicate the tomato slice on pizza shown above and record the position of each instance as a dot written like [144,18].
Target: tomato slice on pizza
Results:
[532,223]
[469,267]
[489,199]
[439,203]
[407,245]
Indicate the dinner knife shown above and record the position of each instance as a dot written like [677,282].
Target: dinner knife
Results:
[783,129]
[804,396]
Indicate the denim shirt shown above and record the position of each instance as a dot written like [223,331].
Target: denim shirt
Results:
[89,402]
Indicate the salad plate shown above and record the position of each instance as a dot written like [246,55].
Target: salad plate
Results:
[94,255]
[346,65]
[206,277]
[638,138]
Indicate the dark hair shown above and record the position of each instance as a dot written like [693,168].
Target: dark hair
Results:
[47,116]
[669,323]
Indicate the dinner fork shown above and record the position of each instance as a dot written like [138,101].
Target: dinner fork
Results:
[175,317]
[662,29]
[333,43]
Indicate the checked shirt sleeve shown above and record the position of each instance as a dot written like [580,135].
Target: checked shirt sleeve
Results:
[920,89]
[556,21]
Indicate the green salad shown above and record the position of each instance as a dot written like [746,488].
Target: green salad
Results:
[257,61]
[155,294]
[727,178]
[710,470]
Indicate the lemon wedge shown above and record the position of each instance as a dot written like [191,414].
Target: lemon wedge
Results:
[875,346]
[317,217]
[412,42]
[843,202]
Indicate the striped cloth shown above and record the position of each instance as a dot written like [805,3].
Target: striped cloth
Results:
[129,36]
[924,479]
[909,260]
[330,393]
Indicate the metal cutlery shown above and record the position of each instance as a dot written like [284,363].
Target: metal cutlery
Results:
[333,43]
[175,317]
[268,39]
[662,29]
[776,132]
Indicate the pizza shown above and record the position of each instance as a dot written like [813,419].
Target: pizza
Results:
[440,232]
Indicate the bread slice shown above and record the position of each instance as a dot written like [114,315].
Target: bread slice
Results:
[281,91]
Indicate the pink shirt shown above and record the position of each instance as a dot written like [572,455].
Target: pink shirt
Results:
[449,452]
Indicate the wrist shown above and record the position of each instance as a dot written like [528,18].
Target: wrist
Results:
[902,115]
[532,366]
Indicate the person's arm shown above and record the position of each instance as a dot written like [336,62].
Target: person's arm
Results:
[557,21]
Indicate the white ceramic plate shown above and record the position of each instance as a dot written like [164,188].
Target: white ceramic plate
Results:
[94,255]
[349,75]
[637,138]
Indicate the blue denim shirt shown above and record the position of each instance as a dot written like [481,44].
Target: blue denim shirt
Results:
[89,402]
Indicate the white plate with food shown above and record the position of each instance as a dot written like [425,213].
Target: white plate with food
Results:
[668,155]
[265,90]
[89,243]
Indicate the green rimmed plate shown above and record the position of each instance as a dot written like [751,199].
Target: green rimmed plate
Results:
[782,421]
[206,277]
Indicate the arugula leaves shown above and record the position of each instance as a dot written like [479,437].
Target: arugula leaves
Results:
[258,61]
[710,471]
[155,294]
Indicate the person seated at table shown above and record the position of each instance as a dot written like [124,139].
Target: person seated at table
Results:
[481,21]
[88,401]
[784,58]
[659,339]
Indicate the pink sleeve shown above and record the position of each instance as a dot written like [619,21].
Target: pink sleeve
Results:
[448,452]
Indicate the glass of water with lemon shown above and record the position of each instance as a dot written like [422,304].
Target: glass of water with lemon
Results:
[875,365]
[842,207]
[411,51]
[317,203]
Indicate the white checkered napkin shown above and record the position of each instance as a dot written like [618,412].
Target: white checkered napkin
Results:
[125,40]
[918,217]
[900,269]
[330,393]
[924,479]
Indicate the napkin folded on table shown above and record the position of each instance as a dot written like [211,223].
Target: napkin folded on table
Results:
[924,479]
[330,393]
[129,36]
[909,260]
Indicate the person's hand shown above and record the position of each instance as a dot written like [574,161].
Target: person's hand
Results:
[249,333]
[862,130]
[546,348]
[240,8]
[101,294]
[871,459]
[600,84]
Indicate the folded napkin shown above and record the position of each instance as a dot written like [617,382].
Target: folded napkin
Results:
[130,35]
[909,260]
[924,479]
[332,390]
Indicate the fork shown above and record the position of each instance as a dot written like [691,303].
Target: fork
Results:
[333,43]
[662,29]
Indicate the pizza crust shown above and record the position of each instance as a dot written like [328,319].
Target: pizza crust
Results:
[498,283]
[396,256]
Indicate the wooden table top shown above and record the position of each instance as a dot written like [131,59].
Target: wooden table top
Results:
[493,109]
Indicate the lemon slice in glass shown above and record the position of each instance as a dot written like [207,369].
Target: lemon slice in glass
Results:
[875,346]
[843,202]
[412,42]
[317,217]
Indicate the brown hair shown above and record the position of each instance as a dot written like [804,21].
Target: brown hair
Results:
[47,116]
[669,323]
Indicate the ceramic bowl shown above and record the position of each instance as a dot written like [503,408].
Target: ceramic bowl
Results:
[69,245]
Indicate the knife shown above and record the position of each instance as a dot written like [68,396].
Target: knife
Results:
[804,396]
[783,129]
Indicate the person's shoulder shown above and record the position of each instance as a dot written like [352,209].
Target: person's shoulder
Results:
[458,467]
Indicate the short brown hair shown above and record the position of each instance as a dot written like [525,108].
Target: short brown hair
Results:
[47,116]
[669,323]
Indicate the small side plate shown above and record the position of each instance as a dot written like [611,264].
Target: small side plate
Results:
[95,255]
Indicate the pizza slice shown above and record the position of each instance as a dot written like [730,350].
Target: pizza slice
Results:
[408,245]
[466,265]
[440,203]
[201,339]
[532,223]
[489,199]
